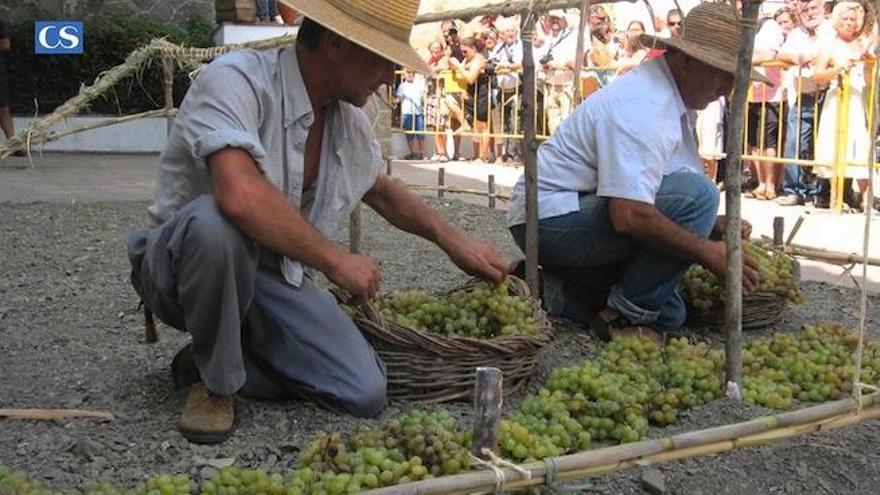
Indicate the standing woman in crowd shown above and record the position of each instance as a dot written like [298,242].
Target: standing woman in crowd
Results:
[435,109]
[838,64]
[476,107]
[765,104]
[633,52]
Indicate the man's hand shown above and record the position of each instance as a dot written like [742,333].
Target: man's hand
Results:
[721,227]
[478,258]
[716,262]
[357,274]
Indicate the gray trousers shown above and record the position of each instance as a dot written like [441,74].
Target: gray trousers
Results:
[252,332]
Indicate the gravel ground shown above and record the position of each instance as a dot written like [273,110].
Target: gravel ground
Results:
[71,337]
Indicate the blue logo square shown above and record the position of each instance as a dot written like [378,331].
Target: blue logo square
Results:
[58,38]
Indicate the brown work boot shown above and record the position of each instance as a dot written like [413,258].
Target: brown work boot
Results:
[207,417]
[609,323]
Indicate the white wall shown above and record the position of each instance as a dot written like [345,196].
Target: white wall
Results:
[138,136]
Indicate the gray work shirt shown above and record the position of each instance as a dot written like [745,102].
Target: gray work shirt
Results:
[257,101]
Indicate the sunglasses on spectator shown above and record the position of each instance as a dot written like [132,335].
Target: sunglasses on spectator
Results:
[450,31]
[674,23]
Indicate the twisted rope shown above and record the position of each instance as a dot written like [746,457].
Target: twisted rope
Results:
[495,463]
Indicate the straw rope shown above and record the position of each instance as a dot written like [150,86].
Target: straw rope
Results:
[37,132]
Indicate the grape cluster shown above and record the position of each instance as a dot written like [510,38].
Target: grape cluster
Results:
[814,365]
[235,481]
[543,426]
[18,483]
[434,438]
[482,311]
[703,292]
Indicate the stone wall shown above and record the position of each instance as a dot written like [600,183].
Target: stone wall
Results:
[174,10]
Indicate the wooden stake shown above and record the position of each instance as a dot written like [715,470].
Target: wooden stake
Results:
[778,230]
[354,230]
[441,181]
[794,230]
[53,414]
[530,155]
[733,189]
[579,50]
[168,72]
[388,167]
[491,191]
[487,411]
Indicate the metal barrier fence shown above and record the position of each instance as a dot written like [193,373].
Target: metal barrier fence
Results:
[489,112]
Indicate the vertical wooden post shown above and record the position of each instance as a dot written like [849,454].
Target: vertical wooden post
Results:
[441,182]
[733,186]
[492,191]
[168,73]
[778,231]
[389,167]
[487,411]
[354,230]
[530,151]
[579,50]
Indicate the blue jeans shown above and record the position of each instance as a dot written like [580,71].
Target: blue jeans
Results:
[807,117]
[414,122]
[267,9]
[588,265]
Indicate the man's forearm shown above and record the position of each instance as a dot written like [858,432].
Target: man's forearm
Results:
[405,211]
[649,226]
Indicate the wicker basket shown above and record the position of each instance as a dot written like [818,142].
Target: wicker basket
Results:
[434,368]
[759,309]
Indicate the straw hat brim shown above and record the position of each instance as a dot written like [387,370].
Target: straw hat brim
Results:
[393,49]
[719,60]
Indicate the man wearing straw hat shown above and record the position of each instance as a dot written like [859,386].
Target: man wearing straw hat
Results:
[623,204]
[269,152]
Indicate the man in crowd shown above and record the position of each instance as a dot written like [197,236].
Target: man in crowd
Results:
[508,63]
[673,23]
[270,150]
[556,60]
[624,207]
[804,101]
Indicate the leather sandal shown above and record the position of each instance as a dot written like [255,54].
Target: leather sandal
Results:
[207,418]
[609,323]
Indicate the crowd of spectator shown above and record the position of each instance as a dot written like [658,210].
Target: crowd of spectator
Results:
[805,47]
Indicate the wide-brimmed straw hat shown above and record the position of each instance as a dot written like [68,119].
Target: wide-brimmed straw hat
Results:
[381,26]
[711,34]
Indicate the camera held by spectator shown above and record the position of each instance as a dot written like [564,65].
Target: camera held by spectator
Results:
[546,59]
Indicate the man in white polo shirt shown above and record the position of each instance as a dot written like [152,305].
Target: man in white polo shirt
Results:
[624,205]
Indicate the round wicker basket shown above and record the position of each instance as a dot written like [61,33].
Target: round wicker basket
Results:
[435,368]
[760,309]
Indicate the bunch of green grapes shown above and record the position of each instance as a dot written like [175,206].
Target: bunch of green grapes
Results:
[18,483]
[551,428]
[166,485]
[482,311]
[703,292]
[814,365]
[235,481]
[434,438]
[103,489]
[692,375]
[366,468]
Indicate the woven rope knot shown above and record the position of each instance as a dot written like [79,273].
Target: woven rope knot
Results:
[496,463]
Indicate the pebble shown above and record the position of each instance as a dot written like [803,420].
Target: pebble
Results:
[653,481]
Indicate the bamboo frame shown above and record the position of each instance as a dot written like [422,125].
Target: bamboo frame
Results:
[758,431]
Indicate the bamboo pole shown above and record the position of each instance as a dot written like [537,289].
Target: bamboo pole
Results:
[529,150]
[487,411]
[579,51]
[53,414]
[53,136]
[455,190]
[823,417]
[506,9]
[733,190]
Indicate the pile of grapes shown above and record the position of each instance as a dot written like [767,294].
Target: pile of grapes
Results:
[703,292]
[615,397]
[482,311]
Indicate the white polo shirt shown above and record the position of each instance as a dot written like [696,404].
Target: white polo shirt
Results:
[257,101]
[619,143]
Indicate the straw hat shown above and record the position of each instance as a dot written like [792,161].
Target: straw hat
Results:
[711,34]
[381,26]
